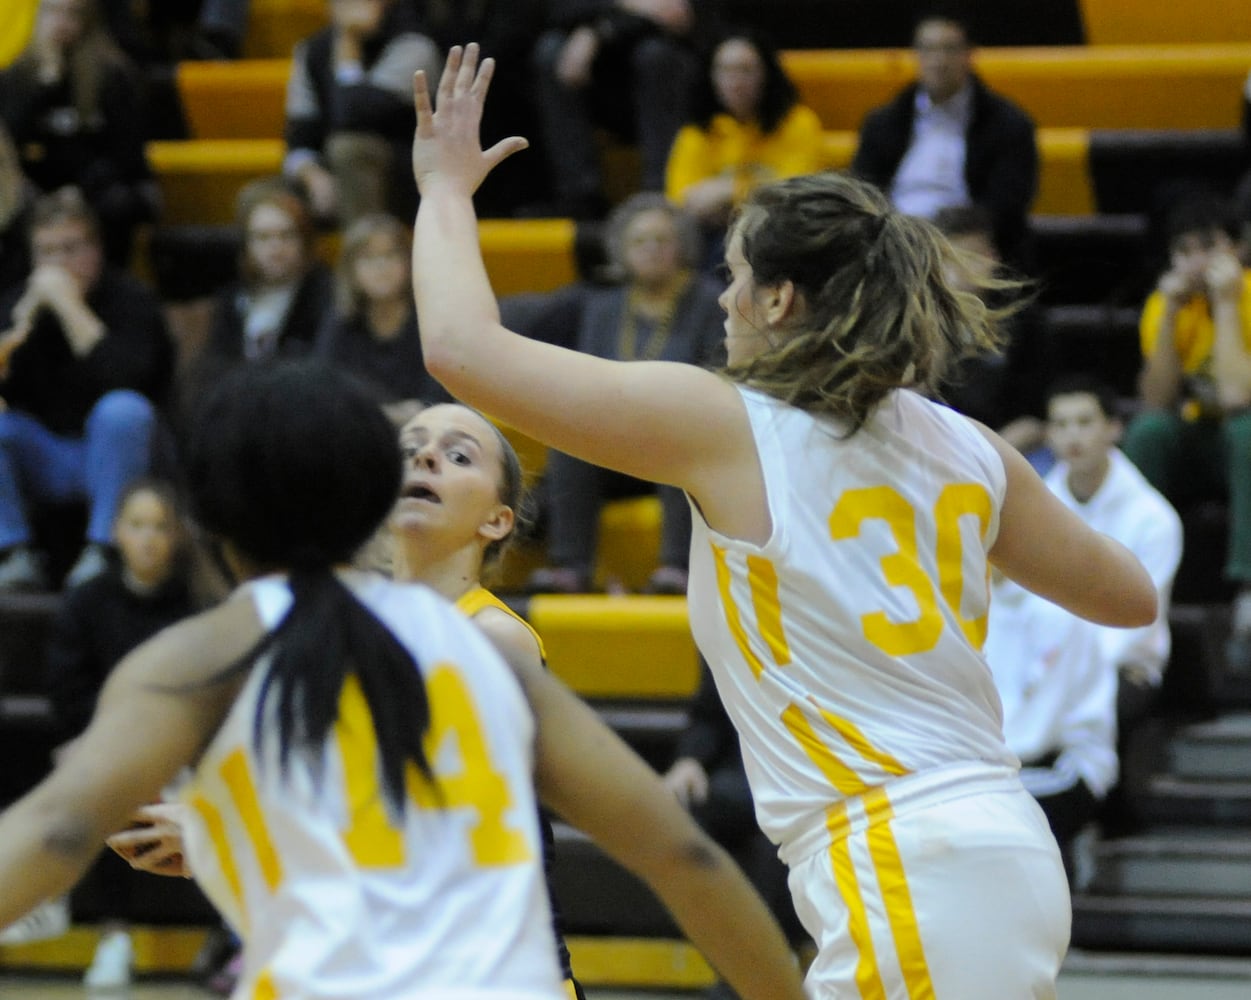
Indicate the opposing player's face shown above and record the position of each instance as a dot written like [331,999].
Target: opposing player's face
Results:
[453,465]
[146,535]
[744,323]
[1079,431]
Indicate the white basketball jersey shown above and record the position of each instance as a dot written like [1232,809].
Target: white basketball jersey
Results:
[337,897]
[847,648]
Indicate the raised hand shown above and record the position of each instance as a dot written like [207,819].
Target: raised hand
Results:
[447,149]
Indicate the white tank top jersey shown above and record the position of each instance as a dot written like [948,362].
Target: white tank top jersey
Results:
[333,895]
[847,647]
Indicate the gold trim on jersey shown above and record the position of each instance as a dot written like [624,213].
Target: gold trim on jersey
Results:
[216,829]
[265,988]
[475,600]
[237,775]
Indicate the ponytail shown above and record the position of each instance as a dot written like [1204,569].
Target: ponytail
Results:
[326,636]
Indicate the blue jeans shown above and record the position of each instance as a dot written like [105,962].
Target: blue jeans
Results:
[37,465]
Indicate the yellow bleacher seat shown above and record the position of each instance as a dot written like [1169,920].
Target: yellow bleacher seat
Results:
[618,647]
[1157,22]
[238,100]
[1173,86]
[274,26]
[199,178]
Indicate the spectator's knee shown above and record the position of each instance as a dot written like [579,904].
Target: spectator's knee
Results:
[122,411]
[1237,431]
[9,429]
[1151,427]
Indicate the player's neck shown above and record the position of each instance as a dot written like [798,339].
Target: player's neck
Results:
[450,573]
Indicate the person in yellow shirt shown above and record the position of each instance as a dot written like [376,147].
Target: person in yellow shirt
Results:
[746,126]
[1193,438]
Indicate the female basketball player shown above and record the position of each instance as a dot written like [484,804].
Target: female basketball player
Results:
[362,757]
[845,527]
[461,488]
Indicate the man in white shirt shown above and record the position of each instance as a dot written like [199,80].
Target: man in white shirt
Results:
[1093,478]
[1067,685]
[947,140]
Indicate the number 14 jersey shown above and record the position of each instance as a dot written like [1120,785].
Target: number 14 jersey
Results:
[335,895]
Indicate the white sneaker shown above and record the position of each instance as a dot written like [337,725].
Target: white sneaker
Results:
[50,919]
[110,968]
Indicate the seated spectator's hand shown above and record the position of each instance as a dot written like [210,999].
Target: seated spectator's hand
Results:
[710,200]
[154,842]
[1223,277]
[688,780]
[323,190]
[674,16]
[10,341]
[1177,286]
[1024,433]
[54,286]
[577,56]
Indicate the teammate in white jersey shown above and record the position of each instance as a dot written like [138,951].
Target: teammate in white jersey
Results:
[364,762]
[844,531]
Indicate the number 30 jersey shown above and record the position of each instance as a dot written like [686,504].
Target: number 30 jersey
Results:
[335,895]
[847,648]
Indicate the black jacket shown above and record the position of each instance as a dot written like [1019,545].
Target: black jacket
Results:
[1001,158]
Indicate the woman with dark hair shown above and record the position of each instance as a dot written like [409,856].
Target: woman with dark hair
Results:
[364,762]
[746,127]
[844,529]
[73,102]
[283,293]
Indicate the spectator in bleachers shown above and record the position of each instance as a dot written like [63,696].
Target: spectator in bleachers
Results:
[373,330]
[624,65]
[708,778]
[1002,391]
[948,140]
[283,294]
[507,31]
[1193,438]
[1058,693]
[85,360]
[74,106]
[1105,489]
[349,112]
[16,198]
[661,310]
[98,623]
[172,30]
[746,126]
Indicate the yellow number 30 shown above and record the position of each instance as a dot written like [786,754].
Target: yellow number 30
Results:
[902,568]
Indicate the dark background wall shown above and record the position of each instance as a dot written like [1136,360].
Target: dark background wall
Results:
[816,24]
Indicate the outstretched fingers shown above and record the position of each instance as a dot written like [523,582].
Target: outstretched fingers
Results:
[451,69]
